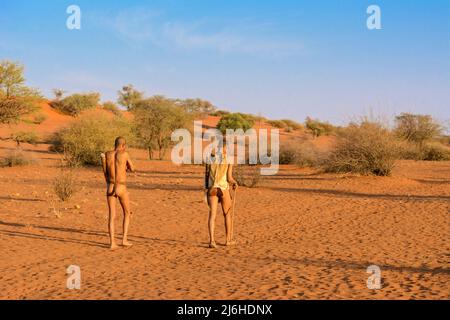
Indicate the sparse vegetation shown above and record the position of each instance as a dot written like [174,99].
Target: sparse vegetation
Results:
[64,185]
[318,128]
[417,128]
[196,107]
[435,152]
[129,96]
[247,175]
[16,99]
[15,158]
[280,124]
[288,153]
[39,118]
[220,113]
[75,104]
[30,137]
[83,141]
[112,107]
[364,148]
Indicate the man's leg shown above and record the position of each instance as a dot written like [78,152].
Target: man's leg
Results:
[212,201]
[124,199]
[111,226]
[226,208]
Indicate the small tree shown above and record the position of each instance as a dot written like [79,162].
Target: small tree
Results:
[59,93]
[234,121]
[16,99]
[197,107]
[129,97]
[417,128]
[156,118]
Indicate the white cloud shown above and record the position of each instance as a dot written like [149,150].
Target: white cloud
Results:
[142,26]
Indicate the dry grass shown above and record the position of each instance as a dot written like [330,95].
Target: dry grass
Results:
[365,148]
[247,175]
[16,158]
[64,185]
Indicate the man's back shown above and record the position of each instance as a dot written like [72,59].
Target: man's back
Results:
[110,166]
[121,165]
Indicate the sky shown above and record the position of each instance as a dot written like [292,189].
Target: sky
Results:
[280,59]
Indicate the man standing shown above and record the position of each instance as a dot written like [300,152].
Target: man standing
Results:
[115,165]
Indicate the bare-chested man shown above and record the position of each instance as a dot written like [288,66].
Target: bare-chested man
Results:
[115,165]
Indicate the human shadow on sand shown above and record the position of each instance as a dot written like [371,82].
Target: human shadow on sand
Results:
[360,265]
[134,238]
[349,194]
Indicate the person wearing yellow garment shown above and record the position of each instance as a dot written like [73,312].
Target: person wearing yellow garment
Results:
[218,179]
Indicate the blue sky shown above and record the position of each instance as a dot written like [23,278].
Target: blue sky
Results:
[281,59]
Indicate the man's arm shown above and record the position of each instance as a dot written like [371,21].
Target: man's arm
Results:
[130,165]
[103,157]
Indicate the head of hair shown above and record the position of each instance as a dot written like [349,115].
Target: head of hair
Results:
[120,142]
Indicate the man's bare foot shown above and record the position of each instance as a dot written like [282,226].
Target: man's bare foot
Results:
[127,244]
[113,247]
[231,243]
[213,245]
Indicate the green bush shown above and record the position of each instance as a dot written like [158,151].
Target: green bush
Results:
[75,104]
[84,141]
[319,128]
[280,124]
[365,148]
[112,107]
[234,121]
[293,124]
[220,113]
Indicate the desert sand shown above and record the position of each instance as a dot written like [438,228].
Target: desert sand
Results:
[302,235]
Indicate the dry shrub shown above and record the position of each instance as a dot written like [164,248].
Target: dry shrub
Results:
[16,158]
[303,154]
[288,153]
[435,152]
[64,185]
[247,175]
[364,148]
[84,141]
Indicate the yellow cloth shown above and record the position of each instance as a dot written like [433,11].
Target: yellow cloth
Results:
[218,174]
